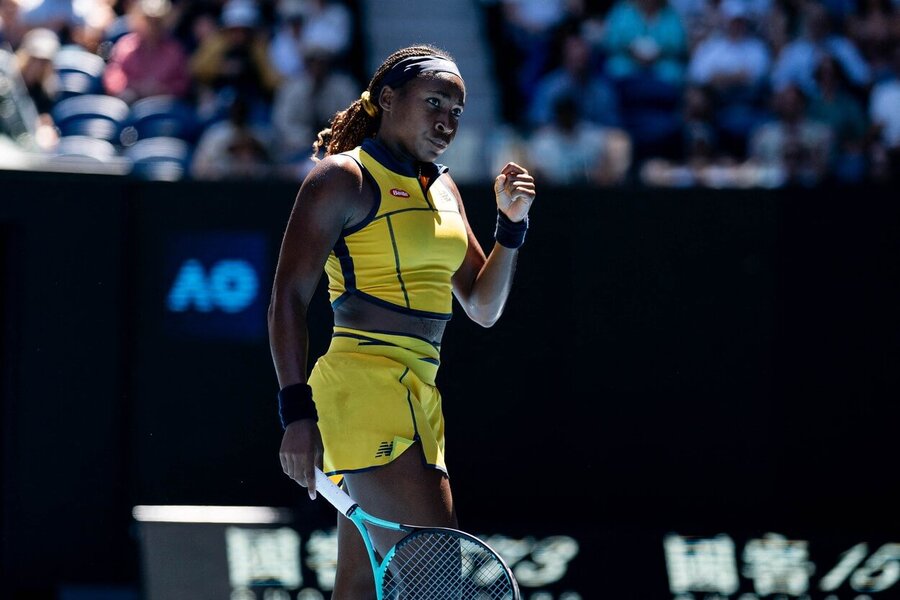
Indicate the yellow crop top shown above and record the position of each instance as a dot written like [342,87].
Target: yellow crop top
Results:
[403,254]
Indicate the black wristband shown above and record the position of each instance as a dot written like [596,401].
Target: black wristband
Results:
[294,403]
[509,233]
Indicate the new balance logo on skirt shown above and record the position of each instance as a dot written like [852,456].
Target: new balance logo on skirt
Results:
[384,449]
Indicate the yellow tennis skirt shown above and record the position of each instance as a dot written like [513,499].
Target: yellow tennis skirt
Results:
[375,395]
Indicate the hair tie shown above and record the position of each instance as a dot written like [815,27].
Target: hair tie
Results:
[366,100]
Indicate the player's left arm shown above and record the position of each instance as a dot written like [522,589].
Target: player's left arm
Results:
[482,283]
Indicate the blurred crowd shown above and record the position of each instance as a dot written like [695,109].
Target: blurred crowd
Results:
[727,93]
[252,82]
[722,93]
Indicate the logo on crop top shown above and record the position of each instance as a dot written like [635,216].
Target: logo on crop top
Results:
[399,193]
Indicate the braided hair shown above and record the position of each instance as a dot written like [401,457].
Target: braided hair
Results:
[349,127]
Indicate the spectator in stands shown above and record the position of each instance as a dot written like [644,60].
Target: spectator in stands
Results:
[703,162]
[782,24]
[327,25]
[35,62]
[731,57]
[305,25]
[526,41]
[875,29]
[305,104]
[121,24]
[235,62]
[700,137]
[734,65]
[645,39]
[646,48]
[233,147]
[12,28]
[798,59]
[195,21]
[757,13]
[586,17]
[884,113]
[95,18]
[793,143]
[570,150]
[836,106]
[701,18]
[286,46]
[248,157]
[58,15]
[698,17]
[149,61]
[576,78]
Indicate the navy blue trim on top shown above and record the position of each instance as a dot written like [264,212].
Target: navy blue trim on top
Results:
[425,193]
[341,299]
[375,205]
[397,262]
[414,209]
[342,252]
[379,152]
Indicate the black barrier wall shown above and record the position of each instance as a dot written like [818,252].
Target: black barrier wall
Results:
[697,362]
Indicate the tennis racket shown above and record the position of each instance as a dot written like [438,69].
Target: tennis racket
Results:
[429,563]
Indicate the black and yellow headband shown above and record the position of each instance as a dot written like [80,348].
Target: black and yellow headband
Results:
[407,69]
[410,67]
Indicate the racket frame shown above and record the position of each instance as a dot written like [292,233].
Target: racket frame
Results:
[359,517]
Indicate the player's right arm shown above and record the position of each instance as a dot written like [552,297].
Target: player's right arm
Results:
[328,200]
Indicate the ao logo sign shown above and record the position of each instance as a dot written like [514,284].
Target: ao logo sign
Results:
[213,283]
[230,285]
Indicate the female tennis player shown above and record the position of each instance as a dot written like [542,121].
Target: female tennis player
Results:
[387,225]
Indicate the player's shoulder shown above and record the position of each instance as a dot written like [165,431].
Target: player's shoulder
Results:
[336,184]
[337,168]
[334,174]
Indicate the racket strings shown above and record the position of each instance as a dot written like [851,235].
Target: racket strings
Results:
[440,566]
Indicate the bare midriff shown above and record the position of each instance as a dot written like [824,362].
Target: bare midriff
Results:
[356,313]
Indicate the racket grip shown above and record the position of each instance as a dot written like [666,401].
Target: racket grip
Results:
[335,495]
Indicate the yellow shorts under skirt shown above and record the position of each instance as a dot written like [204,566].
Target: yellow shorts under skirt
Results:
[375,396]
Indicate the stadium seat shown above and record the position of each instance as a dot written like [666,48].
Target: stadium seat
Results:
[83,154]
[159,158]
[160,116]
[86,147]
[94,115]
[79,71]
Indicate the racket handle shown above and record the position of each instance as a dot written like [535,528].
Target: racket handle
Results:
[335,495]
